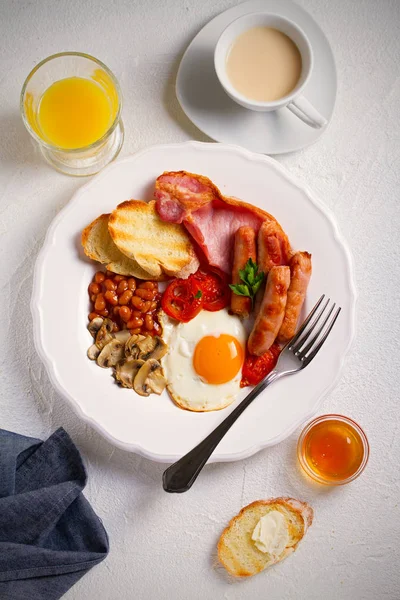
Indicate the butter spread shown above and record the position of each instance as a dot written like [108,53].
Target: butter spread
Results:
[271,533]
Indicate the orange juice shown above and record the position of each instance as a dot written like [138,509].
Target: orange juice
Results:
[74,112]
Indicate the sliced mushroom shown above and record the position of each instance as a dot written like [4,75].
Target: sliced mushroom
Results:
[123,335]
[93,352]
[146,347]
[109,324]
[152,347]
[149,378]
[111,354]
[126,370]
[95,325]
[103,336]
[131,348]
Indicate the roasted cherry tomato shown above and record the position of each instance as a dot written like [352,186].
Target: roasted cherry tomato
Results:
[182,299]
[255,368]
[215,288]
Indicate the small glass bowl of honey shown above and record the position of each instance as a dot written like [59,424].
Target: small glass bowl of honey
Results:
[71,105]
[333,450]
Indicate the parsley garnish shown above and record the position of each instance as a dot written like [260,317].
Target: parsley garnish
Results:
[251,279]
[199,294]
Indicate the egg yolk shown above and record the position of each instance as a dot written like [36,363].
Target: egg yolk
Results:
[218,359]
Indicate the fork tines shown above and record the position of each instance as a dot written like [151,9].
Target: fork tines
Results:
[297,345]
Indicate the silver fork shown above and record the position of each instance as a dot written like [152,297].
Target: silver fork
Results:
[295,356]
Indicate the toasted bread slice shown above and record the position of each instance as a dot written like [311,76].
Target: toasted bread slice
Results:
[156,245]
[236,549]
[98,245]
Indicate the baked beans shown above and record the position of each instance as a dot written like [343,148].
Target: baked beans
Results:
[148,322]
[99,277]
[137,303]
[111,297]
[125,297]
[146,306]
[135,323]
[94,288]
[147,285]
[122,286]
[100,303]
[109,284]
[145,294]
[125,313]
[131,304]
[132,284]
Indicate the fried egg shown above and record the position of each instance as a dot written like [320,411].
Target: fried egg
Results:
[204,360]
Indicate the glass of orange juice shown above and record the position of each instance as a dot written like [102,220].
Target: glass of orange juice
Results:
[71,105]
[333,450]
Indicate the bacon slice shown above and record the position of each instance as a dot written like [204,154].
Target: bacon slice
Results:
[245,248]
[272,311]
[210,218]
[178,193]
[300,271]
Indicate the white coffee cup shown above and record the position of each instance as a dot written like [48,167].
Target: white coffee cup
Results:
[294,101]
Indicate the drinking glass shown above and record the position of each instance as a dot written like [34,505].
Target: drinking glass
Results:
[78,161]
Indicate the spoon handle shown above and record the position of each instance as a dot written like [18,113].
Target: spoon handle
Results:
[180,476]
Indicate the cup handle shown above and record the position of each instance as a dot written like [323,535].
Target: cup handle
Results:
[303,109]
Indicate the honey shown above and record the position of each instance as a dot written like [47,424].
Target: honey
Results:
[333,449]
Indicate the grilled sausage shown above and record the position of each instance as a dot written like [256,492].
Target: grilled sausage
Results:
[300,272]
[273,246]
[272,311]
[245,248]
[273,249]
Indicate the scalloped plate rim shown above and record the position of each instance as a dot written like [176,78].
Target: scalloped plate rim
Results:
[49,362]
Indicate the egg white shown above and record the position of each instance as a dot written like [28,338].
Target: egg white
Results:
[185,386]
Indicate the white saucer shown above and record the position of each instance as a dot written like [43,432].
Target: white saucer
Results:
[213,112]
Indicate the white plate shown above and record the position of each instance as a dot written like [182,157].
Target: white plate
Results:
[207,105]
[154,426]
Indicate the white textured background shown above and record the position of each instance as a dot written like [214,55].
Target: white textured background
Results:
[162,546]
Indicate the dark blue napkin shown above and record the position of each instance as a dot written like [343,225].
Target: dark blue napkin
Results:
[49,534]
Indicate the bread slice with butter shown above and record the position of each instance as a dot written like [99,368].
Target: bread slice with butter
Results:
[98,245]
[262,534]
[158,246]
